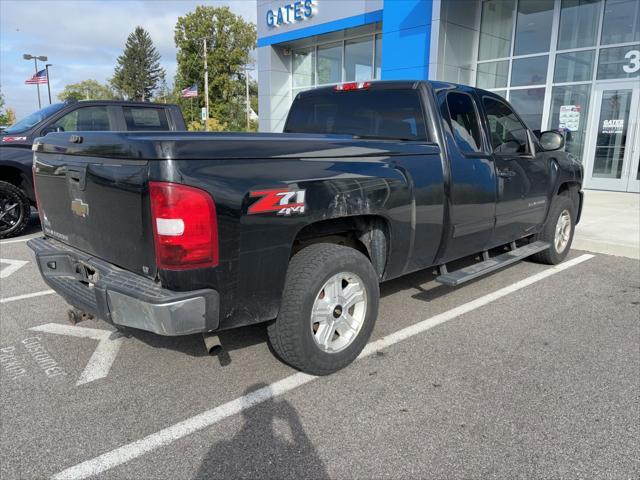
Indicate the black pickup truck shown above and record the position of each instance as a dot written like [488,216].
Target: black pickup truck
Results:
[16,185]
[179,233]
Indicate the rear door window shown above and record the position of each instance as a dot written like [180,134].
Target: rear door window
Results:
[85,119]
[145,118]
[464,122]
[384,114]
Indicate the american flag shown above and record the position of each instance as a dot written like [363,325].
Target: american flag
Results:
[39,77]
[191,91]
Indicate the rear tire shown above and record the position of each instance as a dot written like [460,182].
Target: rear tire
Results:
[558,231]
[328,310]
[15,210]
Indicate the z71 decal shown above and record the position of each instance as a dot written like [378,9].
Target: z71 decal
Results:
[284,202]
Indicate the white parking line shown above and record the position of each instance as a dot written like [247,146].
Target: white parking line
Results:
[26,295]
[208,418]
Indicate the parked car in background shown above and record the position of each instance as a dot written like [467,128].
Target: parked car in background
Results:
[198,232]
[16,183]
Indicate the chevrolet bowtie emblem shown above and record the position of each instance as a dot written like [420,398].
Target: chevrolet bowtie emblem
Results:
[80,208]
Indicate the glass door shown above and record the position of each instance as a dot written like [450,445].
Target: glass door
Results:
[612,152]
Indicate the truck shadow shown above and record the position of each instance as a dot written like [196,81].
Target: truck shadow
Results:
[244,337]
[271,443]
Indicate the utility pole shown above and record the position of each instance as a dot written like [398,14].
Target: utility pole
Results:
[206,86]
[48,84]
[246,80]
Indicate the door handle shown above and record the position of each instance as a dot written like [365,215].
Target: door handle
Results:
[506,173]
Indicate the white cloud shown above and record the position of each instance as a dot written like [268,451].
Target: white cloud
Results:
[83,39]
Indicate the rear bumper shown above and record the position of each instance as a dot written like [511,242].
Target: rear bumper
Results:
[121,297]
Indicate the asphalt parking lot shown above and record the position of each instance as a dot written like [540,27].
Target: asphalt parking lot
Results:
[532,372]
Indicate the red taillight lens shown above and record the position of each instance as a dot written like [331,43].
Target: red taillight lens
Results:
[346,87]
[184,226]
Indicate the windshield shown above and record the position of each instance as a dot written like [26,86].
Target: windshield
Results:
[383,114]
[33,119]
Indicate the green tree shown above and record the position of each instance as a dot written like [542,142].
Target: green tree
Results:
[138,70]
[163,93]
[87,90]
[230,40]
[7,115]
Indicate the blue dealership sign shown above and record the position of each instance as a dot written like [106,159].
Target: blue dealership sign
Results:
[291,13]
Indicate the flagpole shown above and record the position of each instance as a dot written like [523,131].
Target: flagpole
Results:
[192,119]
[35,61]
[48,84]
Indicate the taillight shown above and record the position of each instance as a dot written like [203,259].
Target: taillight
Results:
[185,227]
[346,87]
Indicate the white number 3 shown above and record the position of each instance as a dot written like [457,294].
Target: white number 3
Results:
[634,61]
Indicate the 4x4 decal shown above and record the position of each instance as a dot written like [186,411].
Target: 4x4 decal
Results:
[284,202]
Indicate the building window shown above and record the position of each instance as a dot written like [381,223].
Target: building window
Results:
[529,71]
[493,74]
[496,29]
[304,67]
[574,66]
[533,26]
[358,59]
[330,63]
[464,122]
[378,56]
[579,20]
[621,22]
[619,62]
[529,103]
[569,112]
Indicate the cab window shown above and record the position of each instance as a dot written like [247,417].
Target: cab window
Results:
[507,133]
[464,123]
[145,118]
[85,119]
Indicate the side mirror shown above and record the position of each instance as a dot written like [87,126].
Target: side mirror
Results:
[551,141]
[51,129]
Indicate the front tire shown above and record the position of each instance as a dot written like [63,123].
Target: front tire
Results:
[328,310]
[15,210]
[558,231]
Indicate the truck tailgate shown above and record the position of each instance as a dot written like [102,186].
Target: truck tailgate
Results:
[99,206]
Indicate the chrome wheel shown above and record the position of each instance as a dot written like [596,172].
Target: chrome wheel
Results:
[563,231]
[338,312]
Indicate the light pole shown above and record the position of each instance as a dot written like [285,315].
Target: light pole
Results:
[206,86]
[247,97]
[48,84]
[35,58]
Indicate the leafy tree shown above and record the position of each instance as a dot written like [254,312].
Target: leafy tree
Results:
[87,90]
[138,70]
[213,124]
[7,115]
[164,94]
[230,40]
[10,116]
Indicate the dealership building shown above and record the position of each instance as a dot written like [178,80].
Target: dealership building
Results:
[572,65]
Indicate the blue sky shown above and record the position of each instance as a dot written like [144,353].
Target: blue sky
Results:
[83,39]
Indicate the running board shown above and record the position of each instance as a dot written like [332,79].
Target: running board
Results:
[453,279]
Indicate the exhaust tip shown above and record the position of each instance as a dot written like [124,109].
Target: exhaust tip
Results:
[212,344]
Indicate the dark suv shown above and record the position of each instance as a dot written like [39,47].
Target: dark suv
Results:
[16,183]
